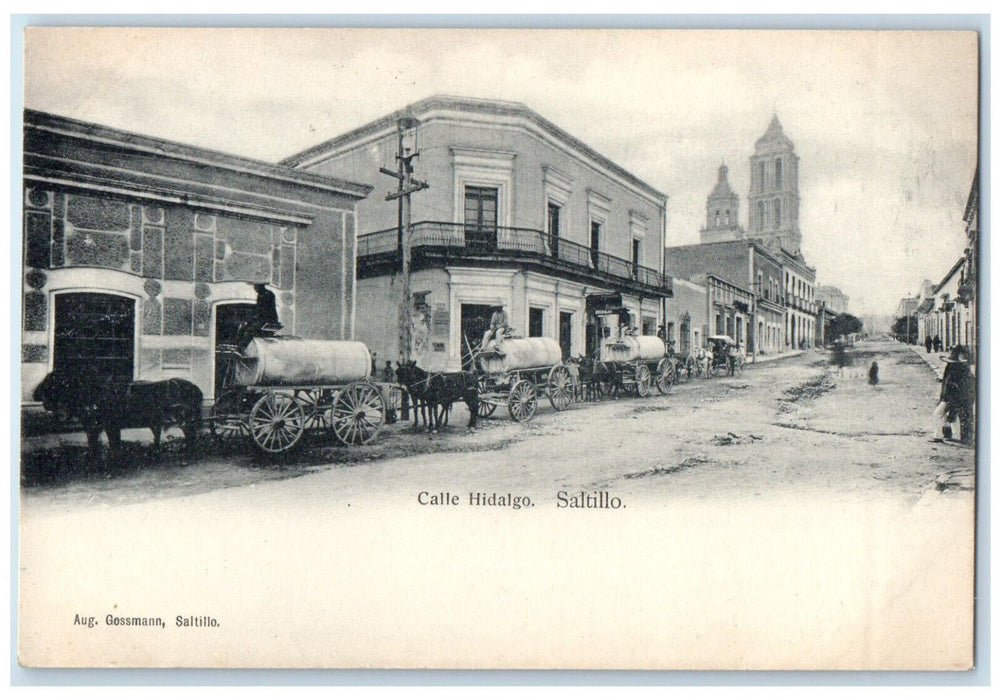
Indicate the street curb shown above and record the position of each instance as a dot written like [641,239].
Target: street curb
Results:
[927,360]
[776,358]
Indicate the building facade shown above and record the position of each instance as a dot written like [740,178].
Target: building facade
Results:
[800,300]
[686,321]
[747,265]
[833,299]
[519,215]
[139,253]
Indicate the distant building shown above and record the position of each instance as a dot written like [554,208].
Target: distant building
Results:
[722,213]
[749,266]
[139,253]
[519,215]
[686,316]
[773,201]
[833,299]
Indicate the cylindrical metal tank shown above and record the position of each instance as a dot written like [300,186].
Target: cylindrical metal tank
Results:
[522,353]
[302,362]
[632,348]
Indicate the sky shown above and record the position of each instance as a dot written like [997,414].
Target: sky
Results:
[884,123]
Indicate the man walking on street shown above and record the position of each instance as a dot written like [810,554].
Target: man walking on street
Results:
[959,391]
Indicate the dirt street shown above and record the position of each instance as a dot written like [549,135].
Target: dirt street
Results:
[796,425]
[789,518]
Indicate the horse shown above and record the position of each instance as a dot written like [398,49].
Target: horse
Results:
[436,392]
[112,405]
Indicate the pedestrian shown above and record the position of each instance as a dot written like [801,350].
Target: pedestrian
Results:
[937,343]
[928,344]
[375,365]
[874,373]
[958,393]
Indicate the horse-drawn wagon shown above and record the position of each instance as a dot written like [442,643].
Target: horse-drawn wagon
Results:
[514,371]
[636,363]
[276,389]
[724,356]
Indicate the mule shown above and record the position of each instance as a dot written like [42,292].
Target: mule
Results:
[434,393]
[113,405]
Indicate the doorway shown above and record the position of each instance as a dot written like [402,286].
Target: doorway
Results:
[566,333]
[473,323]
[95,336]
[229,319]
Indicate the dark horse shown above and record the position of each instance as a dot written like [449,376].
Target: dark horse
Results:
[434,393]
[111,405]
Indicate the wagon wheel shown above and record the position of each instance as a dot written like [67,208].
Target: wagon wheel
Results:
[225,419]
[522,401]
[316,404]
[276,422]
[642,380]
[666,375]
[560,388]
[485,409]
[359,411]
[608,381]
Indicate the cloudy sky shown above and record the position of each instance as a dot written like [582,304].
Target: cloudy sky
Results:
[885,123]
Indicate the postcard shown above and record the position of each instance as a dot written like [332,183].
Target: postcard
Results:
[395,348]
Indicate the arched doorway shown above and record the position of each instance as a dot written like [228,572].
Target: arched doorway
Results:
[94,335]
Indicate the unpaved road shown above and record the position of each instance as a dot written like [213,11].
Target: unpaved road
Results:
[797,425]
[785,519]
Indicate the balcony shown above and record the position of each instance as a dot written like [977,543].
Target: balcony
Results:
[437,243]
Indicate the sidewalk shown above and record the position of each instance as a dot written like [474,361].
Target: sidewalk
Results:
[771,358]
[932,359]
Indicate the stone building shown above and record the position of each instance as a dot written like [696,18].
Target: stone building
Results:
[519,215]
[139,252]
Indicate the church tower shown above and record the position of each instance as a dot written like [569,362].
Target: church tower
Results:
[774,196]
[722,213]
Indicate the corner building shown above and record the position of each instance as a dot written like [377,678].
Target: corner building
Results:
[518,215]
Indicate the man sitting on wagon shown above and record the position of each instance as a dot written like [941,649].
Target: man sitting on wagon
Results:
[265,322]
[498,330]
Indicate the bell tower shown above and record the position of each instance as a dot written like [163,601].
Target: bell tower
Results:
[722,212]
[774,197]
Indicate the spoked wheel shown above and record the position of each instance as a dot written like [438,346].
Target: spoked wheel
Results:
[665,375]
[642,380]
[560,387]
[608,382]
[522,402]
[358,414]
[485,409]
[226,419]
[316,404]
[276,423]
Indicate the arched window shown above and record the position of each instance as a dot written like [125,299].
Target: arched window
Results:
[778,213]
[778,172]
[717,218]
[761,176]
[761,216]
[727,217]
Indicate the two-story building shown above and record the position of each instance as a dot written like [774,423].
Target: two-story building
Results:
[140,253]
[519,215]
[748,265]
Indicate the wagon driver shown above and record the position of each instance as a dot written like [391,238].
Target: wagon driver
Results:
[498,327]
[265,321]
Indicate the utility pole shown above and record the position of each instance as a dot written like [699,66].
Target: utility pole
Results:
[407,186]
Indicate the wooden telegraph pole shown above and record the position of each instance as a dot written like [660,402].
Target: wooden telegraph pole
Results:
[407,186]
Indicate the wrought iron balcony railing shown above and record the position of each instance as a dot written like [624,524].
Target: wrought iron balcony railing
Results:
[510,242]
